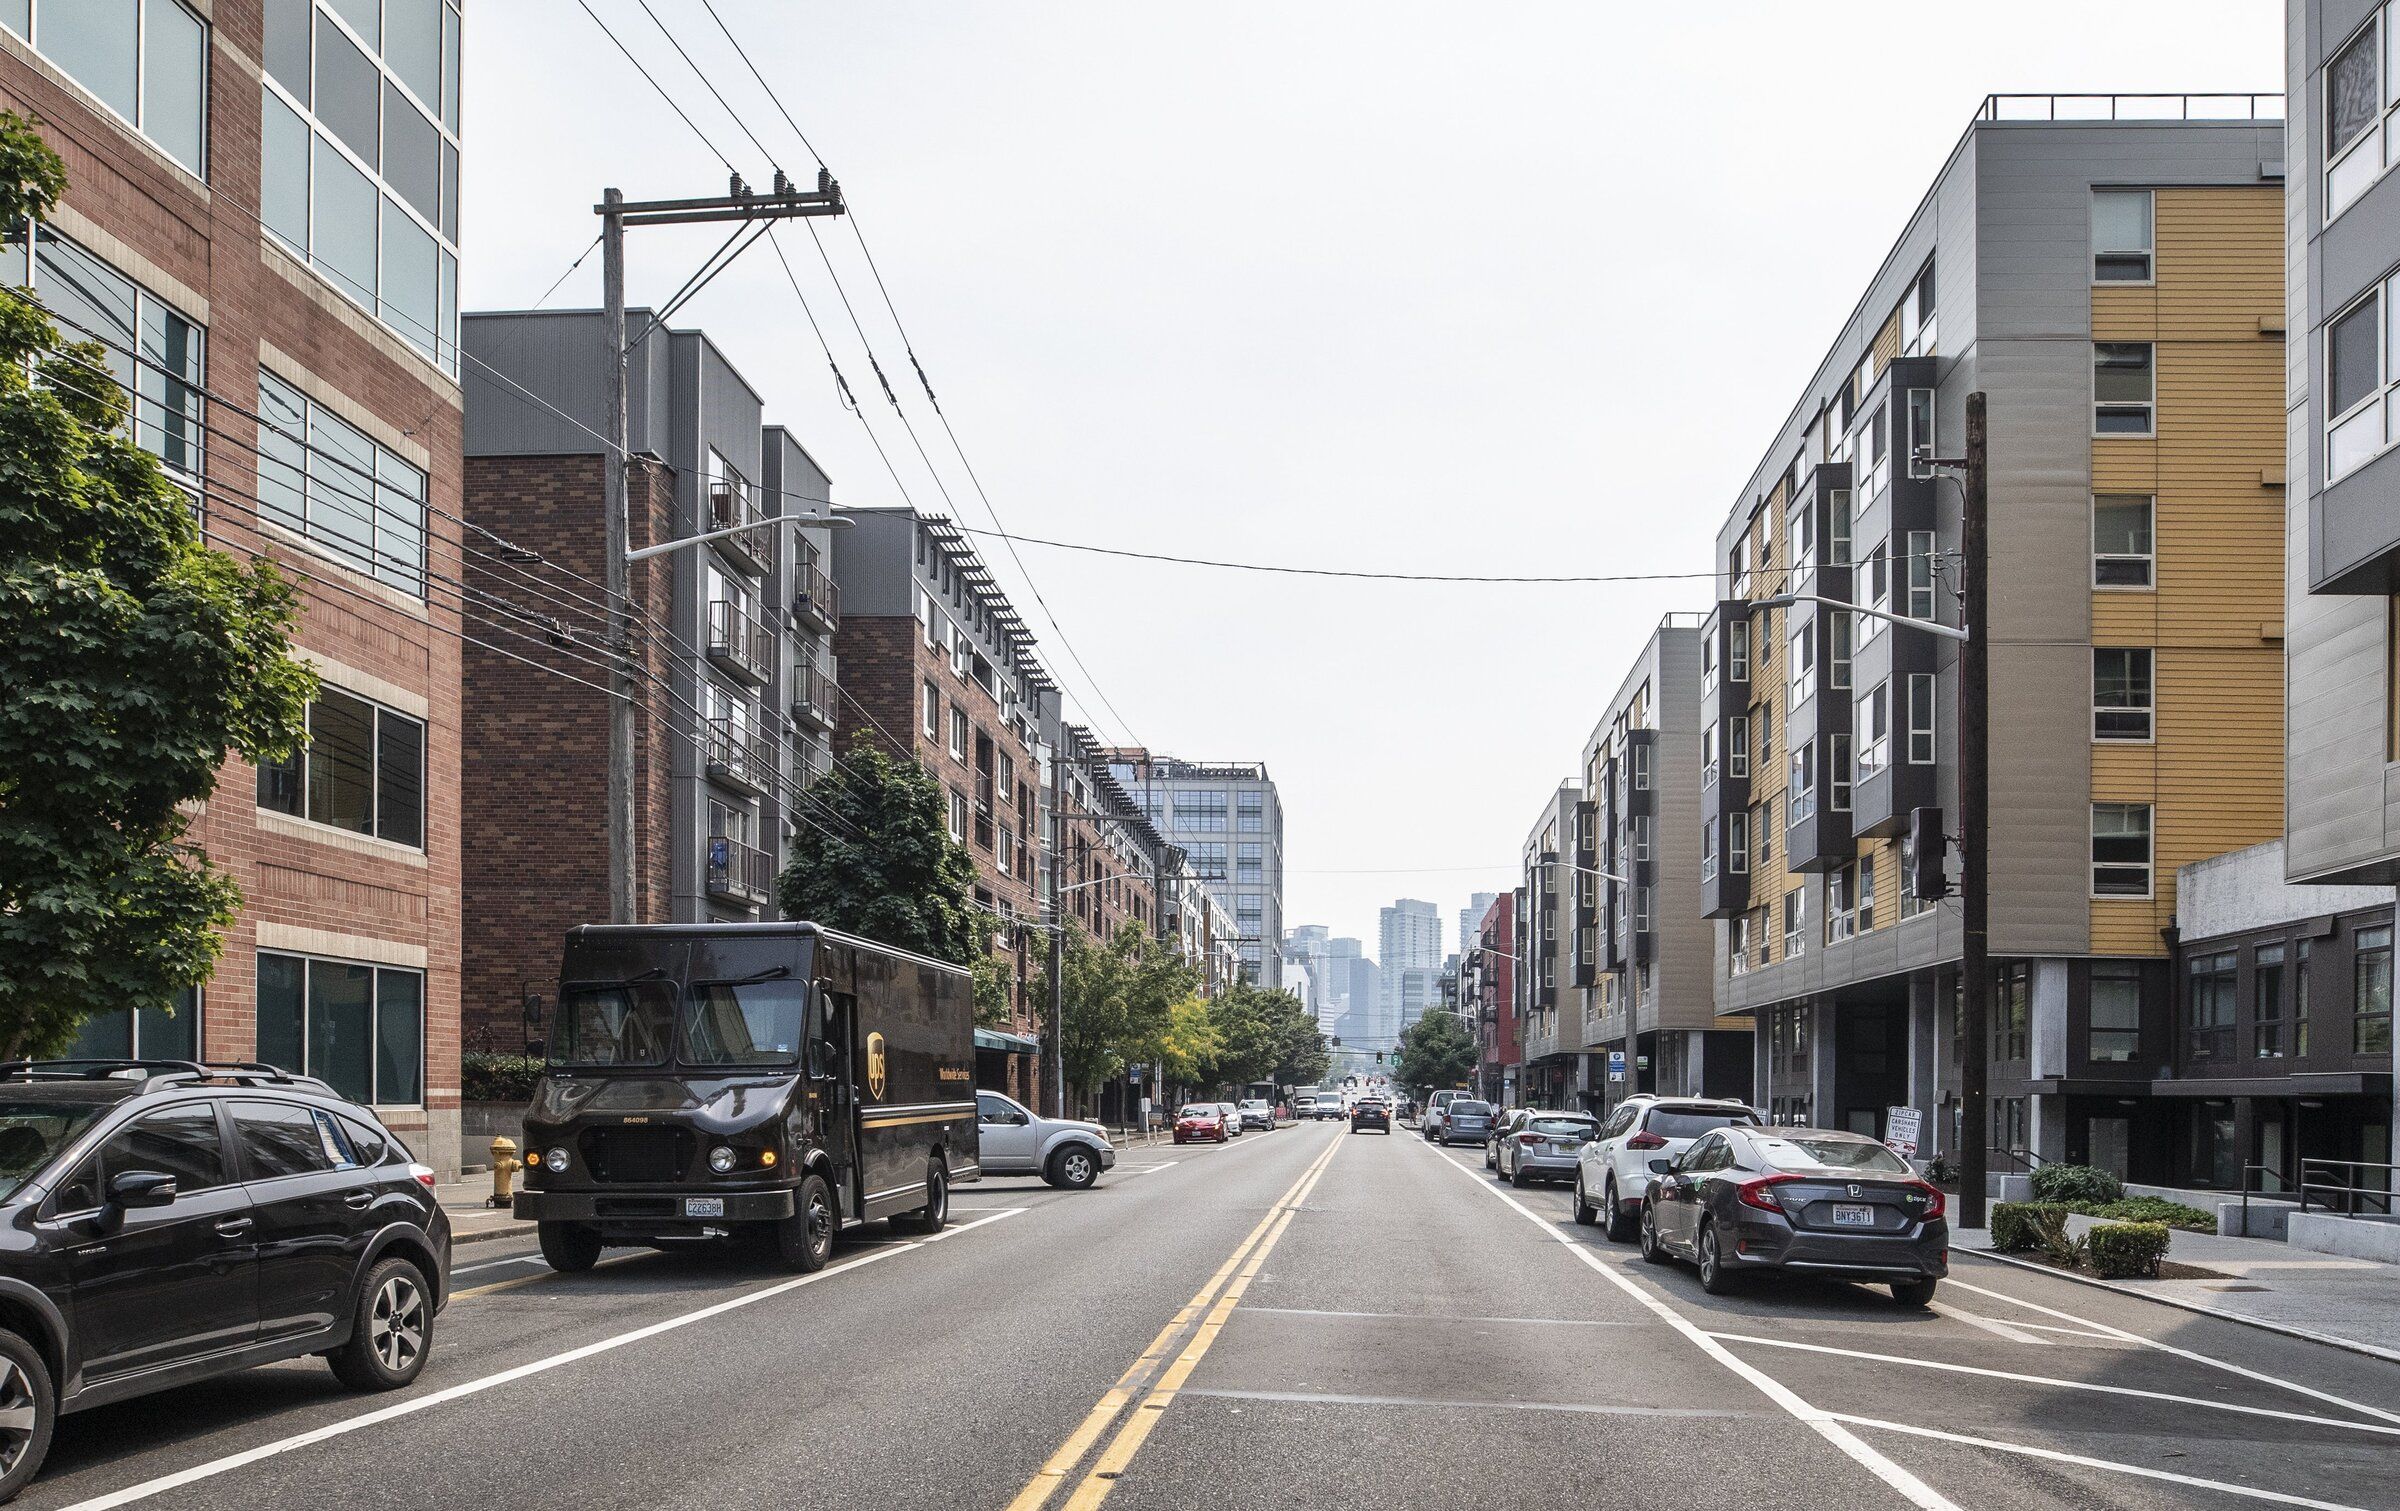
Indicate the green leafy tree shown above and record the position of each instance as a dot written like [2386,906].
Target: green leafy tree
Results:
[1118,1002]
[133,659]
[880,863]
[1190,1046]
[1266,1036]
[1435,1052]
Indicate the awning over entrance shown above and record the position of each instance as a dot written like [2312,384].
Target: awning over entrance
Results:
[1007,1044]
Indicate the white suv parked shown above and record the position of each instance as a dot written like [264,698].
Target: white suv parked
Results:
[1612,1173]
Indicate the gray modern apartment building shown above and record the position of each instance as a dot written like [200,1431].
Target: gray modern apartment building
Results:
[2342,391]
[1641,953]
[2115,287]
[1555,1072]
[1228,821]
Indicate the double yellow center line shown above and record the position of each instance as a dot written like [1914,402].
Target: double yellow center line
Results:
[1163,1367]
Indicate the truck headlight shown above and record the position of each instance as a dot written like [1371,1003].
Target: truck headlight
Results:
[556,1159]
[720,1159]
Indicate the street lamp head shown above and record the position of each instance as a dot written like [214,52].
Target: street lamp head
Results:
[1777,601]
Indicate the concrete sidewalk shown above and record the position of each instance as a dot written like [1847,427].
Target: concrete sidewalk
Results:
[2353,1303]
[470,1220]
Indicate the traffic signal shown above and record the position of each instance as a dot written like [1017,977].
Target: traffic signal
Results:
[1379,1057]
[1928,854]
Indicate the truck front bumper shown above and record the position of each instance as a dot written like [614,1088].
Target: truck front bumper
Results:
[635,1208]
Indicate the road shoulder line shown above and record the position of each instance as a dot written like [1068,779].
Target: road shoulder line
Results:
[2330,1340]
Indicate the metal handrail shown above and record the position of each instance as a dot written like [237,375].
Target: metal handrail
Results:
[2021,105]
[2025,1159]
[2308,1190]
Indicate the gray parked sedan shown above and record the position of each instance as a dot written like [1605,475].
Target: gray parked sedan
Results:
[1544,1146]
[1811,1200]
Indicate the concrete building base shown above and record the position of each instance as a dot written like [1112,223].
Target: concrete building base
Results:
[2376,1238]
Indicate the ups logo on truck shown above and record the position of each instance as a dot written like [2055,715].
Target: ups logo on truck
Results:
[875,1066]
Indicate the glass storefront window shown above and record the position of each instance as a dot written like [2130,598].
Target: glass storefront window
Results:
[358,1027]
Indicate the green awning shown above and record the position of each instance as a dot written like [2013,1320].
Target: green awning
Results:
[1007,1044]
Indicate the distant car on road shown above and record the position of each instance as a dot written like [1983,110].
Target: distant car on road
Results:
[1831,1204]
[1613,1171]
[1503,1124]
[1015,1140]
[1201,1123]
[1544,1146]
[1371,1112]
[1466,1122]
[1233,1118]
[1258,1113]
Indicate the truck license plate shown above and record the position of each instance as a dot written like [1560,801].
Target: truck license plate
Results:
[1853,1217]
[704,1206]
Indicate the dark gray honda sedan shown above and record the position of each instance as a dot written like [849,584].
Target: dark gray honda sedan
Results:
[1809,1200]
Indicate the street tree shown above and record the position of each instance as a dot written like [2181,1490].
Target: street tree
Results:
[879,862]
[1117,1003]
[1435,1053]
[1266,1035]
[1188,1050]
[134,659]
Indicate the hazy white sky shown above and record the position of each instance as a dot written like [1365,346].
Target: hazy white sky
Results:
[1395,286]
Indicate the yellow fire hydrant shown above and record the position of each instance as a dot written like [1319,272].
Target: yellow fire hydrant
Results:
[505,1166]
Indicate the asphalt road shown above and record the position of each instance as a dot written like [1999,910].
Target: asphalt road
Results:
[1299,1318]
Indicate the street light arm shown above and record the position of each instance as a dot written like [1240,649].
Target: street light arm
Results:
[705,536]
[1929,626]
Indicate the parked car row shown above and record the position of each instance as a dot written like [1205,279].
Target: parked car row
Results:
[1222,1122]
[1708,1183]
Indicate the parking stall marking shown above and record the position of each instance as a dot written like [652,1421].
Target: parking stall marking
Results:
[1053,1474]
[2009,1330]
[161,1484]
[1821,1422]
[2247,1492]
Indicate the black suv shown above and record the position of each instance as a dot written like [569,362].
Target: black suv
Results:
[163,1221]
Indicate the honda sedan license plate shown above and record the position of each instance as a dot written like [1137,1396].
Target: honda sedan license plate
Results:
[704,1206]
[1845,1216]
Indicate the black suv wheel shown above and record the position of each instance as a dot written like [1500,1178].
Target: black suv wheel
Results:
[28,1413]
[391,1327]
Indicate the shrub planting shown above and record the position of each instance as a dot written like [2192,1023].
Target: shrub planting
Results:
[2128,1250]
[2075,1183]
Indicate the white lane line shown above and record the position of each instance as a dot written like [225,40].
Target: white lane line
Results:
[2181,1353]
[1320,1398]
[1916,1491]
[1992,1325]
[414,1404]
[2056,1384]
[2084,1333]
[2112,1467]
[1149,1169]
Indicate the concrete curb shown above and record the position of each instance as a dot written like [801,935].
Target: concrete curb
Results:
[2348,1345]
[511,1229]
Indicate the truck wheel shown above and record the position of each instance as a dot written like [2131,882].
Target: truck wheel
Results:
[804,1240]
[391,1331]
[570,1247]
[935,1214]
[1073,1168]
[28,1412]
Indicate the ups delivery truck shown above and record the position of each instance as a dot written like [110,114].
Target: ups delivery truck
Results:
[774,1080]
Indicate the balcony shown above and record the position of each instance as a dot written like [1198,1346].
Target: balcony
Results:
[816,601]
[731,507]
[813,698]
[738,644]
[737,758]
[739,873]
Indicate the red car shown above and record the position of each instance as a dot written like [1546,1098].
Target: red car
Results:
[1200,1122]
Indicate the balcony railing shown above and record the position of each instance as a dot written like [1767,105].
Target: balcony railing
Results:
[731,507]
[816,600]
[2131,107]
[737,757]
[739,872]
[813,697]
[739,643]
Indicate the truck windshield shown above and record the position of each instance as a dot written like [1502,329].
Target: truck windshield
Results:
[613,1023]
[744,1022]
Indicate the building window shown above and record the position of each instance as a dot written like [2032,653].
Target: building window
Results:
[1837,774]
[1921,562]
[1737,651]
[2121,693]
[2120,849]
[1641,909]
[961,732]
[1737,945]
[1839,626]
[2012,1011]
[1917,317]
[1841,917]
[362,770]
[358,1027]
[1837,532]
[1708,852]
[1737,746]
[1762,835]
[2215,980]
[933,712]
[1795,923]
[1206,860]
[2301,963]
[1866,896]
[1639,756]
[2122,387]
[1920,719]
[149,1033]
[1878,569]
[958,815]
[2116,1016]
[359,156]
[1200,812]
[1708,755]
[1737,842]
[321,477]
[2121,235]
[1803,664]
[1250,864]
[2358,94]
[1800,790]
[1641,836]
[2359,375]
[1874,731]
[2266,1002]
[146,60]
[2371,992]
[153,353]
[2121,540]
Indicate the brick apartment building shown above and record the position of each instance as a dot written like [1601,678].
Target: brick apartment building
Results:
[937,668]
[190,244]
[737,686]
[1487,994]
